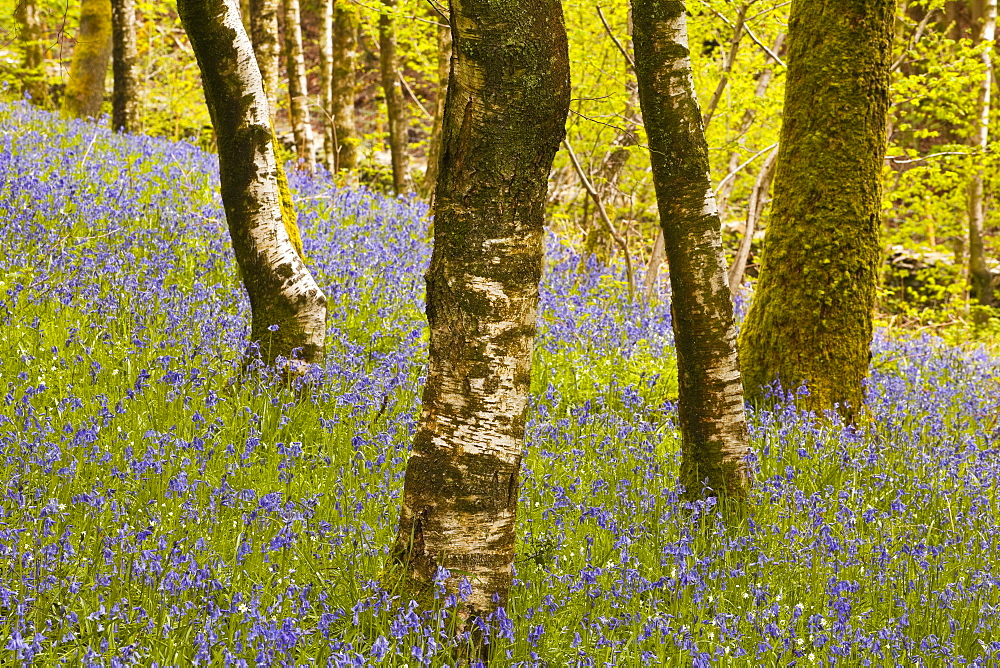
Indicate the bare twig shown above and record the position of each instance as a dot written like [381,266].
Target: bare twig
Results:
[734,47]
[739,169]
[621,47]
[903,160]
[609,226]
[914,40]
[655,260]
[757,198]
[761,44]
[409,90]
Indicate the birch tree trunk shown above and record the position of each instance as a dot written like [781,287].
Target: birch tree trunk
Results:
[288,310]
[710,403]
[979,272]
[85,88]
[811,320]
[264,29]
[505,115]
[344,55]
[125,95]
[298,91]
[394,103]
[329,153]
[434,151]
[33,79]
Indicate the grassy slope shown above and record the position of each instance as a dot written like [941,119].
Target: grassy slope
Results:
[153,511]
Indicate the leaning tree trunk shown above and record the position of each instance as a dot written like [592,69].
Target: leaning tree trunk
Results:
[298,91]
[85,88]
[394,104]
[345,44]
[264,28]
[434,152]
[125,96]
[33,79]
[288,310]
[508,98]
[979,272]
[710,402]
[812,316]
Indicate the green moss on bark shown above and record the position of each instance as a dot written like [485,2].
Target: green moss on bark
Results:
[85,87]
[811,321]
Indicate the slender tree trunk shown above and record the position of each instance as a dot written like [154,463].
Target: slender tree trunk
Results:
[85,88]
[345,44]
[394,103]
[434,151]
[288,310]
[33,79]
[125,97]
[264,28]
[508,98]
[298,91]
[979,272]
[710,403]
[812,316]
[326,84]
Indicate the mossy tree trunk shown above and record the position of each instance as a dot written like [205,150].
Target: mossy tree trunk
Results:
[264,29]
[979,273]
[85,88]
[125,95]
[811,320]
[298,91]
[288,310]
[434,151]
[710,403]
[395,105]
[33,79]
[342,76]
[505,115]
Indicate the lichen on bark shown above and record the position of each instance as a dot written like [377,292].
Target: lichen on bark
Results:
[811,320]
[85,87]
[504,118]
[710,402]
[288,310]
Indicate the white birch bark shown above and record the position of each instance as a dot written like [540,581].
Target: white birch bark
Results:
[979,272]
[298,90]
[710,403]
[288,316]
[505,116]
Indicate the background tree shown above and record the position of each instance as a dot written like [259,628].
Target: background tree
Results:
[85,88]
[125,95]
[395,105]
[444,69]
[267,48]
[288,310]
[508,97]
[33,81]
[811,320]
[710,402]
[298,89]
[985,11]
[342,82]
